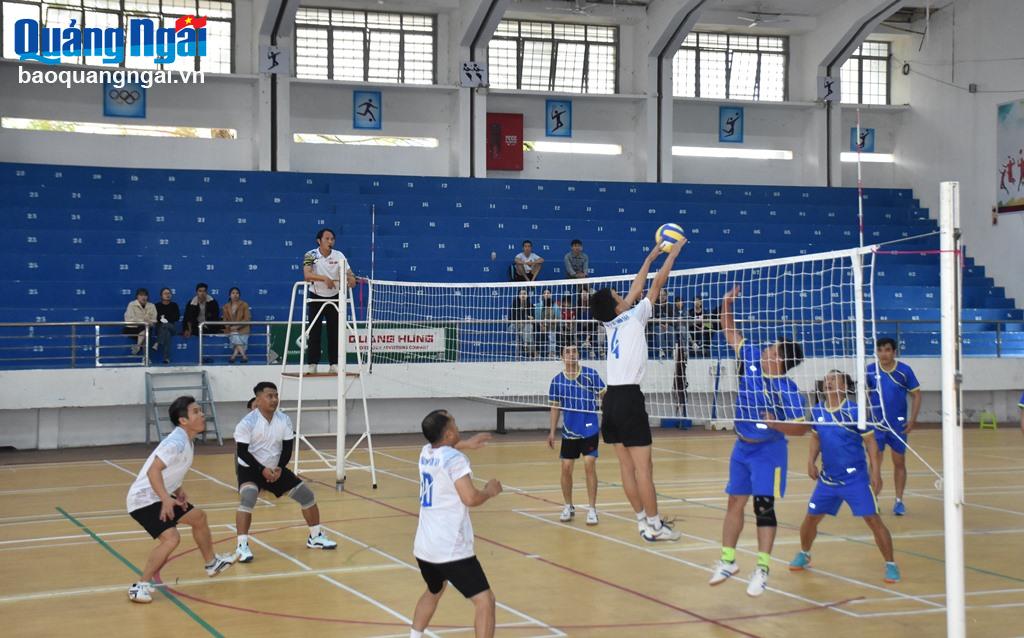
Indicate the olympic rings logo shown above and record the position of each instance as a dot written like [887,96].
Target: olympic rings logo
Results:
[124,96]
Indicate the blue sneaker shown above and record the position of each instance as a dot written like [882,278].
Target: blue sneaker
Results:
[801,561]
[892,573]
[899,509]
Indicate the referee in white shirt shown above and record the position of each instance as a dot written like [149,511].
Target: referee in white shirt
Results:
[624,421]
[322,268]
[264,439]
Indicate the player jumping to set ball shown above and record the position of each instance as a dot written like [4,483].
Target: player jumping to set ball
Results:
[768,407]
[624,421]
[846,475]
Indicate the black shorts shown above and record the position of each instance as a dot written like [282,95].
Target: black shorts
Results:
[284,484]
[149,518]
[624,416]
[465,575]
[575,448]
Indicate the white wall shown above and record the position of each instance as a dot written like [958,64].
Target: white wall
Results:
[950,133]
[887,122]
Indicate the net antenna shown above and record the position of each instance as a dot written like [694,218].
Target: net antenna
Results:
[338,460]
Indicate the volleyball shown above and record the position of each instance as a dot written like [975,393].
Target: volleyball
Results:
[667,235]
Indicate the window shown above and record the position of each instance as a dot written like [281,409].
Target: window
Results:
[365,46]
[865,76]
[116,13]
[739,67]
[554,56]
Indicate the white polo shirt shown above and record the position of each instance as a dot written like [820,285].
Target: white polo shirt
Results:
[264,438]
[627,345]
[329,266]
[176,452]
[444,533]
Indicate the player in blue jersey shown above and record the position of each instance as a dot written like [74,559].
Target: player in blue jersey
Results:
[889,383]
[768,407]
[574,393]
[846,475]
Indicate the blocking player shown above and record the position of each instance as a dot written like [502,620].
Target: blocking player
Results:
[157,501]
[768,407]
[846,474]
[624,421]
[264,439]
[889,384]
[574,393]
[444,536]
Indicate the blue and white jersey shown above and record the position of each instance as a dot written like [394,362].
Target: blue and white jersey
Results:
[444,533]
[887,391]
[577,398]
[759,392]
[843,458]
[627,345]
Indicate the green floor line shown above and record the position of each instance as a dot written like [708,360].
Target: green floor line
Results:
[138,572]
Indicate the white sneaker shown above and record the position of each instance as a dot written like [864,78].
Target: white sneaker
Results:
[333,369]
[320,542]
[592,516]
[243,554]
[723,571]
[758,582]
[136,348]
[140,593]
[311,368]
[219,563]
[663,533]
[567,513]
[641,525]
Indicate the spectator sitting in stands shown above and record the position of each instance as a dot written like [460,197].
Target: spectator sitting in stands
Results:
[547,316]
[662,327]
[238,335]
[521,316]
[703,326]
[527,264]
[201,308]
[577,264]
[139,311]
[567,328]
[167,316]
[586,328]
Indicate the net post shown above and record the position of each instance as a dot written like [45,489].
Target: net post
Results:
[858,312]
[952,432]
[339,465]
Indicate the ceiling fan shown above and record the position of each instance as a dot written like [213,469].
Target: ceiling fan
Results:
[576,6]
[758,18]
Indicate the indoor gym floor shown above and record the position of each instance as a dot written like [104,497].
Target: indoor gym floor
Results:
[68,551]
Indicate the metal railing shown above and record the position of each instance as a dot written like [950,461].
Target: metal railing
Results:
[74,344]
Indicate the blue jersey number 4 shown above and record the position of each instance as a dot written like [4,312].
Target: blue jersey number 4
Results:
[614,347]
[427,490]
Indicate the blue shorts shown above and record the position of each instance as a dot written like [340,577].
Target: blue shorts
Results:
[827,499]
[885,437]
[758,469]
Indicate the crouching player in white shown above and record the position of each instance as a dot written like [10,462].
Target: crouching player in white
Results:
[444,537]
[158,503]
[264,439]
[845,474]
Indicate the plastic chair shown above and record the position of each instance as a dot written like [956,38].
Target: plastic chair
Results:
[988,421]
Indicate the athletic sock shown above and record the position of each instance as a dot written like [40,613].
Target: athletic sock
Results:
[243,540]
[890,562]
[899,500]
[641,515]
[314,531]
[415,634]
[728,554]
[764,560]
[654,521]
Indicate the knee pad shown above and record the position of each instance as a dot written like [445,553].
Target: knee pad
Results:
[764,511]
[304,496]
[248,493]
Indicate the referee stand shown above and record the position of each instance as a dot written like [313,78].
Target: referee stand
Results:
[344,378]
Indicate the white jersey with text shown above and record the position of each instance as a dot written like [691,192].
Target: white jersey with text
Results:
[264,437]
[627,345]
[444,533]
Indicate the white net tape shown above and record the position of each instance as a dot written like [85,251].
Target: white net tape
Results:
[502,341]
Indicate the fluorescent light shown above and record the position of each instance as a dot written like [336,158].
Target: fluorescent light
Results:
[109,128]
[366,140]
[580,148]
[734,153]
[869,158]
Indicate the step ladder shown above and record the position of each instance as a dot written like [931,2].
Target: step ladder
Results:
[339,460]
[162,388]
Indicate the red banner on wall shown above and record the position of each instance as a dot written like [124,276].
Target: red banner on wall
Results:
[505,141]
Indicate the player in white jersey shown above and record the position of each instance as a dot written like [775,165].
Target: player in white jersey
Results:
[624,421]
[264,439]
[157,501]
[444,536]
